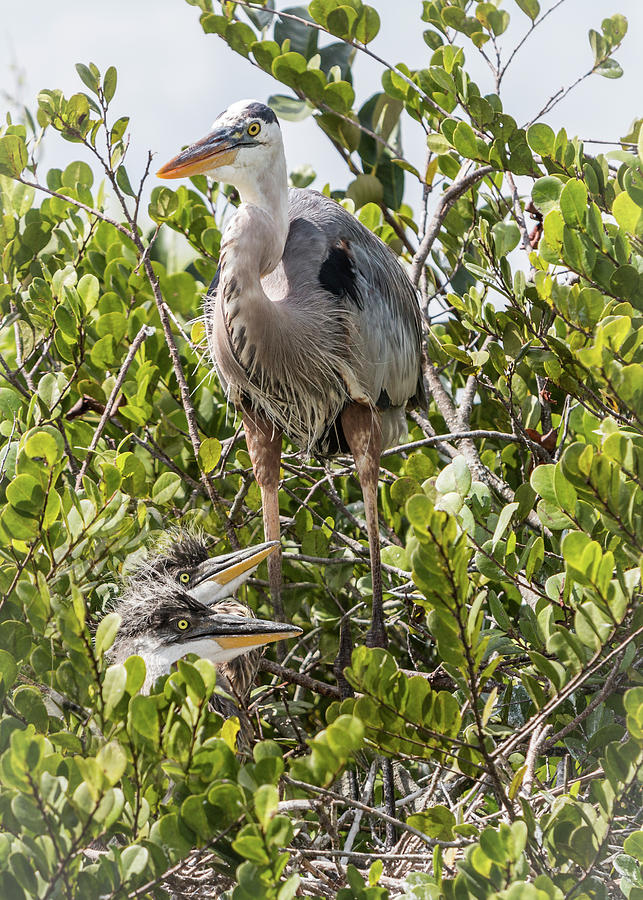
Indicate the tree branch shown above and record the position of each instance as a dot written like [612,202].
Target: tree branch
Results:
[144,332]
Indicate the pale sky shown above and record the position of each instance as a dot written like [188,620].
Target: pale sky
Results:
[174,80]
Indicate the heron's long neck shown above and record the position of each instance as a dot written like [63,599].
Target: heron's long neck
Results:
[252,246]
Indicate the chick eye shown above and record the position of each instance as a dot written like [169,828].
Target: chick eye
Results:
[254,128]
[183,624]
[184,577]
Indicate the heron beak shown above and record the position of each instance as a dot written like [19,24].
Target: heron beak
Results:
[222,575]
[280,631]
[219,148]
[233,632]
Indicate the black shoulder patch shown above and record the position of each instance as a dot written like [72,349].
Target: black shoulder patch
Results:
[337,273]
[214,284]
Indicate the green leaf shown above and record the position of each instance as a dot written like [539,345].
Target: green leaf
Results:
[454,478]
[266,800]
[465,141]
[109,83]
[573,202]
[13,155]
[634,845]
[339,95]
[88,289]
[289,108]
[498,21]
[368,25]
[89,78]
[506,237]
[610,68]
[134,861]
[106,632]
[113,761]
[530,8]
[545,193]
[340,22]
[114,685]
[209,454]
[437,143]
[365,189]
[47,445]
[503,521]
[437,822]
[541,139]
[26,494]
[122,180]
[287,67]
[165,488]
[626,212]
[50,388]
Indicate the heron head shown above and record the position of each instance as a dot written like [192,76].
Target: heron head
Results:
[185,559]
[174,604]
[163,623]
[245,140]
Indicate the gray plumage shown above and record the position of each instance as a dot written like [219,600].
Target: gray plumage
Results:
[311,322]
[325,348]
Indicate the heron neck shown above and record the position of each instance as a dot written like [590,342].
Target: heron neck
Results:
[252,246]
[258,232]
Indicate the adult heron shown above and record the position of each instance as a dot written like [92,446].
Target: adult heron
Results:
[178,602]
[313,325]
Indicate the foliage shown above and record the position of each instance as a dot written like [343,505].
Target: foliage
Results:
[509,699]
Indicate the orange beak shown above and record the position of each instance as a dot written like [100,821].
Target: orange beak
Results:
[219,148]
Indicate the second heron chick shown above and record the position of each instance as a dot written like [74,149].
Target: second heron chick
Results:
[178,602]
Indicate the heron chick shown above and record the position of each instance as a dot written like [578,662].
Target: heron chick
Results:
[178,602]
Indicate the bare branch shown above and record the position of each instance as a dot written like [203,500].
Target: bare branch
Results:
[460,186]
[534,25]
[143,333]
[293,677]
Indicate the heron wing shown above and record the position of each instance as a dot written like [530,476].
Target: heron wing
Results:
[330,251]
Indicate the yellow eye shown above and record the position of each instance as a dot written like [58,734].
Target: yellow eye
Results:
[183,624]
[254,128]
[184,577]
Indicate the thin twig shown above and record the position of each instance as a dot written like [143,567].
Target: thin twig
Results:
[293,677]
[464,181]
[324,792]
[501,72]
[366,799]
[144,332]
[605,691]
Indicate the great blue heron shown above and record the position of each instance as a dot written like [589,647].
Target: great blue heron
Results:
[178,602]
[313,325]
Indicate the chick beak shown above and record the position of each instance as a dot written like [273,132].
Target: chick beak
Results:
[223,575]
[255,633]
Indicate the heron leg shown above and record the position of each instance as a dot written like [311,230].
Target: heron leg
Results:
[264,447]
[343,659]
[363,433]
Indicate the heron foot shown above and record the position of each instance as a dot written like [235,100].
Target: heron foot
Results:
[376,635]
[388,785]
[343,659]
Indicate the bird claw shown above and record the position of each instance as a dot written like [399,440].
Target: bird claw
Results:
[376,636]
[343,659]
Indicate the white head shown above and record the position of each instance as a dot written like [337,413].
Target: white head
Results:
[244,149]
